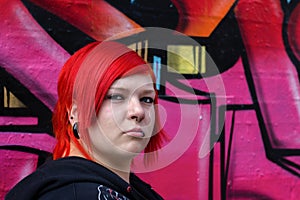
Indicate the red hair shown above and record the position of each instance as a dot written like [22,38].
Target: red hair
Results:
[86,78]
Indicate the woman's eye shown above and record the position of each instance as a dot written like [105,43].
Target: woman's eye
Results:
[147,100]
[115,97]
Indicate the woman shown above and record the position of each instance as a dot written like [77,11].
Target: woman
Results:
[106,114]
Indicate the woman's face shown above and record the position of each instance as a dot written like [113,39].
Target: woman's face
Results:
[126,119]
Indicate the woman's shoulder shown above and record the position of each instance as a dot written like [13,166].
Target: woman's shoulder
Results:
[83,191]
[65,175]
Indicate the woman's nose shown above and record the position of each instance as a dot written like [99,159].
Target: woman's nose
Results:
[135,110]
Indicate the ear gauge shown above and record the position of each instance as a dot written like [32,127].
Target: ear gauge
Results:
[75,130]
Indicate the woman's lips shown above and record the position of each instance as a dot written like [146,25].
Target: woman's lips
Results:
[136,132]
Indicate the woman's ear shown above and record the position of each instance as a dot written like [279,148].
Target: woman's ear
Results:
[73,114]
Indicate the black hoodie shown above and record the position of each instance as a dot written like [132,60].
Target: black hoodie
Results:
[80,179]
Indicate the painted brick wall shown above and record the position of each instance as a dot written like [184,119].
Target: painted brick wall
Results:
[240,141]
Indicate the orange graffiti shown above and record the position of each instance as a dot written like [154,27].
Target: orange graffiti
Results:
[201,17]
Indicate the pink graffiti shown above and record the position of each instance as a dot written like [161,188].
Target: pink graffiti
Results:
[294,31]
[97,19]
[29,54]
[275,77]
[15,165]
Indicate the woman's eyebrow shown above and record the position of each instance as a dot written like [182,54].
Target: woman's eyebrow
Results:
[149,91]
[146,90]
[142,91]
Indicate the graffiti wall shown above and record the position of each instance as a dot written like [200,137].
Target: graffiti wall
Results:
[230,101]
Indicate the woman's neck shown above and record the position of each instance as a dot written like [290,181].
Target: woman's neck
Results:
[119,166]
